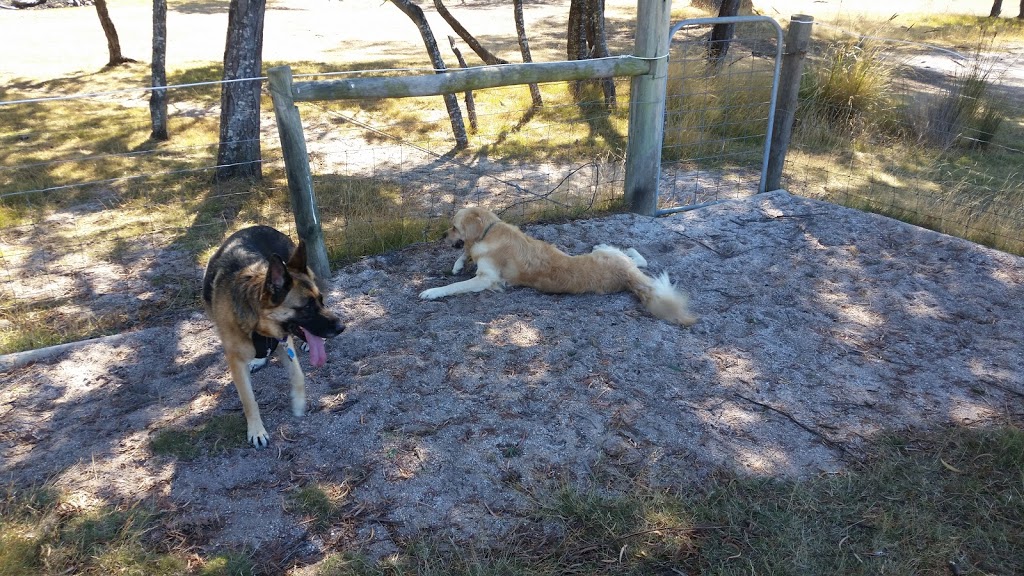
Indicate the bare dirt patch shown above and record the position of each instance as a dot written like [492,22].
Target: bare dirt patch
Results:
[822,327]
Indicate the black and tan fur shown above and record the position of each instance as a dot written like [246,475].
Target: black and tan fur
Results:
[256,300]
[505,255]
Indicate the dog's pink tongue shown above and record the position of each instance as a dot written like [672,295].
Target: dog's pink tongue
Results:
[317,354]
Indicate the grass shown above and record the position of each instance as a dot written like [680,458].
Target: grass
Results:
[943,502]
[944,159]
[924,504]
[217,435]
[42,533]
[939,502]
[321,504]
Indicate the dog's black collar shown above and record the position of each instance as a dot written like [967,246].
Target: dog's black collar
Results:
[486,230]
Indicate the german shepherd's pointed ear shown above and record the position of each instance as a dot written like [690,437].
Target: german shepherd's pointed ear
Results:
[278,282]
[297,262]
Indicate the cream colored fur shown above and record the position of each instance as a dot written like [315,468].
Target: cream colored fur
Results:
[504,255]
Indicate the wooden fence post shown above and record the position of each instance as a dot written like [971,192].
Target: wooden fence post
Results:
[797,38]
[647,107]
[296,162]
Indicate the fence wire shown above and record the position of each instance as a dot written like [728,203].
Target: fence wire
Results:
[921,133]
[102,229]
[717,109]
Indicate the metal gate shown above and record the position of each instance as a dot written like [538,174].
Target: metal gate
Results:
[719,111]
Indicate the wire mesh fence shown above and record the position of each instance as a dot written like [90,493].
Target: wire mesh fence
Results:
[386,173]
[102,229]
[922,133]
[718,104]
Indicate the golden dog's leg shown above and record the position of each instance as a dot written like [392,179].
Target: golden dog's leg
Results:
[255,433]
[295,376]
[459,264]
[487,278]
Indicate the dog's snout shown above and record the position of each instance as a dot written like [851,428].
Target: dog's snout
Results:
[458,243]
[338,328]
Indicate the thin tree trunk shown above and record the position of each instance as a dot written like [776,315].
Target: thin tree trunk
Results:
[485,55]
[415,13]
[997,9]
[238,155]
[470,103]
[722,34]
[524,48]
[599,46]
[113,44]
[158,97]
[1020,15]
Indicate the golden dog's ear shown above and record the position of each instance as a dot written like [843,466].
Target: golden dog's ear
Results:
[469,223]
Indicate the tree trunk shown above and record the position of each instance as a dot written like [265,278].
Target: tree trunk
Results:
[586,39]
[997,9]
[470,103]
[1020,14]
[158,97]
[598,41]
[113,44]
[524,48]
[474,45]
[415,13]
[721,34]
[238,155]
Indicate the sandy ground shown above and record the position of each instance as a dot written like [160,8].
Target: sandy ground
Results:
[822,327]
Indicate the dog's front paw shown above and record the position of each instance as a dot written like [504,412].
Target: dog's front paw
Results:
[257,364]
[298,405]
[431,294]
[258,436]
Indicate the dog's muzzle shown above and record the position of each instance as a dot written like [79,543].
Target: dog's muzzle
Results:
[458,243]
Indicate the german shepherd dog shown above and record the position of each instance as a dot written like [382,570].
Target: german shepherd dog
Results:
[257,300]
[505,255]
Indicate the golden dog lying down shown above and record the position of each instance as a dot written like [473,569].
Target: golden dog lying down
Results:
[505,255]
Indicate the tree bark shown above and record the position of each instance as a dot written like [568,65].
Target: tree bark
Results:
[721,34]
[587,39]
[113,44]
[524,48]
[158,97]
[598,41]
[470,103]
[484,54]
[415,13]
[997,9]
[238,155]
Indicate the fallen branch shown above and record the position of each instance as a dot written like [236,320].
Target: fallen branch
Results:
[824,439]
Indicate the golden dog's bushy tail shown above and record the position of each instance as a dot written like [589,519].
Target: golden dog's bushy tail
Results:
[661,298]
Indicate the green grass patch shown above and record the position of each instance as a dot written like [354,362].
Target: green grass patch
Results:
[926,503]
[218,435]
[322,504]
[940,503]
[39,534]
